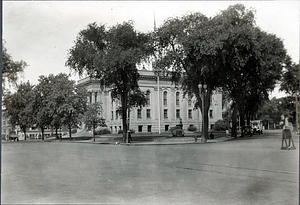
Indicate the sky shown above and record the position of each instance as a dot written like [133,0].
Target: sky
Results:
[41,33]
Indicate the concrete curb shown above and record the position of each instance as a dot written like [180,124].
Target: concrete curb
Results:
[161,141]
[178,141]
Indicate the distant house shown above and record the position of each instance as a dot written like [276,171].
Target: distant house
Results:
[33,132]
[6,127]
[166,105]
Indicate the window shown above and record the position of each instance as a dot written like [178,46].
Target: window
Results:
[211,113]
[95,97]
[166,127]
[149,128]
[90,97]
[112,115]
[140,128]
[148,97]
[190,116]
[189,100]
[165,98]
[117,115]
[166,113]
[178,113]
[177,98]
[139,113]
[148,113]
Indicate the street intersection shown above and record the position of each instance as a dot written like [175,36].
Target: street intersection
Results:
[251,170]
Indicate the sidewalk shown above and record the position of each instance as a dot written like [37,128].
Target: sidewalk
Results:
[158,141]
[178,141]
[137,140]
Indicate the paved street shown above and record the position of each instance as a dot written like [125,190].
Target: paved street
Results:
[244,171]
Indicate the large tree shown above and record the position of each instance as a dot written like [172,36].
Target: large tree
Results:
[251,60]
[270,112]
[92,117]
[58,101]
[43,113]
[74,108]
[18,107]
[185,51]
[290,85]
[10,68]
[111,55]
[227,51]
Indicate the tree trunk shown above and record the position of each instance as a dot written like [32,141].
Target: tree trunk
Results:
[124,114]
[56,132]
[94,132]
[234,121]
[242,119]
[70,132]
[42,128]
[248,115]
[206,111]
[25,134]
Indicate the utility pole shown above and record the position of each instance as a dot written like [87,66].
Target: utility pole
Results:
[297,114]
[158,93]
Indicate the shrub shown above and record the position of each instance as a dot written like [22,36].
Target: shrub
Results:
[192,128]
[220,125]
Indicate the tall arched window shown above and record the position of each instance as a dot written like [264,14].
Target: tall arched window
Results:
[189,100]
[177,98]
[165,98]
[91,97]
[148,97]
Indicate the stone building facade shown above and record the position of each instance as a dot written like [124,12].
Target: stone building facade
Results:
[166,105]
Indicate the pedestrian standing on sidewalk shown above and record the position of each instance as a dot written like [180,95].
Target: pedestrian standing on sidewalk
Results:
[129,136]
[227,133]
[212,136]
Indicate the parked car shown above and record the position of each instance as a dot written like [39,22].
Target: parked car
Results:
[13,137]
[256,126]
[247,131]
[177,132]
[256,130]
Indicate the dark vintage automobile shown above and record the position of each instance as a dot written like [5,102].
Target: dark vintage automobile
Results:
[247,131]
[177,132]
[13,137]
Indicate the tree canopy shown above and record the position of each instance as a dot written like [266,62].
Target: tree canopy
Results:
[227,51]
[58,101]
[251,59]
[290,79]
[185,50]
[92,117]
[18,106]
[10,68]
[111,55]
